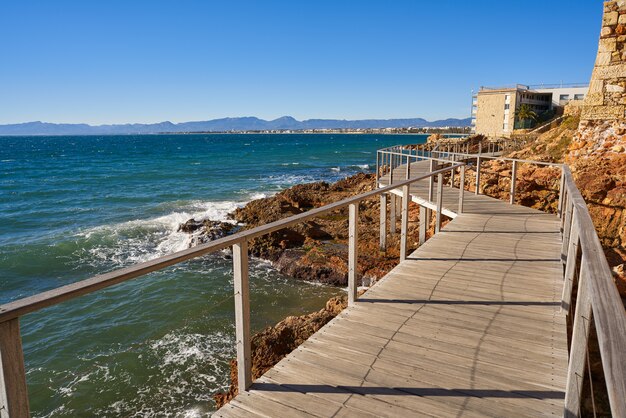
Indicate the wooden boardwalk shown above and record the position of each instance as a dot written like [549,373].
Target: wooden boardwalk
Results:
[469,325]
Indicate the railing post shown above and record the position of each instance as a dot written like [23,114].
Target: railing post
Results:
[513,176]
[383,222]
[377,170]
[242,315]
[408,166]
[431,189]
[567,228]
[477,175]
[392,213]
[423,224]
[561,192]
[570,265]
[404,224]
[439,202]
[431,181]
[452,174]
[578,347]
[391,159]
[461,189]
[353,231]
[13,389]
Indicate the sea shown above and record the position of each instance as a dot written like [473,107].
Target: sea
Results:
[72,207]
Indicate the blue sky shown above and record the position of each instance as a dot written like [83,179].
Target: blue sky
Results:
[132,61]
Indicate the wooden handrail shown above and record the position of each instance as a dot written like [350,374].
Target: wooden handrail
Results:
[598,299]
[13,390]
[52,297]
[597,294]
[597,290]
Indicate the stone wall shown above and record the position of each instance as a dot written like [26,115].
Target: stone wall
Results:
[606,99]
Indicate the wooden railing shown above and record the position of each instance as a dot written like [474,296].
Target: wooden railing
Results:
[13,388]
[597,300]
[585,268]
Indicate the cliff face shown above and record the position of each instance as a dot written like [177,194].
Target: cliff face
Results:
[597,154]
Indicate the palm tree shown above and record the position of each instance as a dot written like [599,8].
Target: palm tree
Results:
[524,113]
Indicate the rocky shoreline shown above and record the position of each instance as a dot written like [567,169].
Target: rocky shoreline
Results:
[315,250]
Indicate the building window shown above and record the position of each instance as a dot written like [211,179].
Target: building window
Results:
[579,96]
[507,106]
[564,97]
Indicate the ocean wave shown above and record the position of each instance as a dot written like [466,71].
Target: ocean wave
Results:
[286,180]
[335,169]
[258,195]
[180,372]
[145,239]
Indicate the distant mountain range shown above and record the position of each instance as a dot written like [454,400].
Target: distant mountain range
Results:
[221,125]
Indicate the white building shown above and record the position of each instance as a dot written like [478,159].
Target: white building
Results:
[563,93]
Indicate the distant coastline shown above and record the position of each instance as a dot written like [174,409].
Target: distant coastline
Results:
[384,131]
[285,124]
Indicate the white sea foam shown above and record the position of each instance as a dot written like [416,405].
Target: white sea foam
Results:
[258,195]
[335,169]
[145,239]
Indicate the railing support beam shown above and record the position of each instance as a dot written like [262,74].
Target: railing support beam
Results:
[477,175]
[353,232]
[383,222]
[513,177]
[423,224]
[580,342]
[567,229]
[570,266]
[13,390]
[393,211]
[242,314]
[561,192]
[404,227]
[461,189]
[439,202]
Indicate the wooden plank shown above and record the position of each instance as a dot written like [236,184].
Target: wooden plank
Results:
[353,233]
[267,407]
[13,390]
[358,370]
[242,315]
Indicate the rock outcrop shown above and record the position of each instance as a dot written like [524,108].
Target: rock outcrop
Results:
[315,250]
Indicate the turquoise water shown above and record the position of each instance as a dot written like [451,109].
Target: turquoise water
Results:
[73,207]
